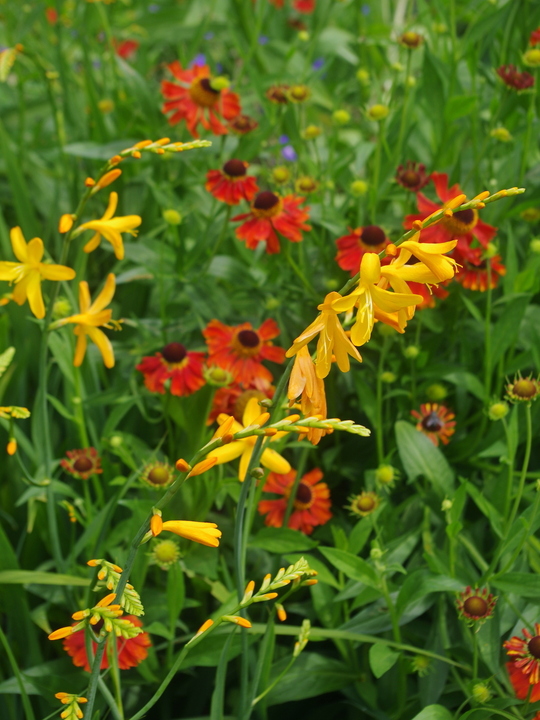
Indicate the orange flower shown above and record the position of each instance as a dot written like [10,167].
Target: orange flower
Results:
[231,184]
[196,101]
[435,421]
[311,505]
[183,368]
[232,400]
[243,124]
[474,264]
[351,248]
[82,463]
[524,670]
[240,349]
[305,384]
[270,212]
[131,652]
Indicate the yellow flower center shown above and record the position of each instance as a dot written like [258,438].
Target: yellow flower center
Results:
[267,205]
[202,93]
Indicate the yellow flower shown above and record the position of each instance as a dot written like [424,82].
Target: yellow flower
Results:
[110,228]
[201,532]
[28,273]
[244,448]
[431,255]
[305,384]
[87,322]
[332,338]
[375,303]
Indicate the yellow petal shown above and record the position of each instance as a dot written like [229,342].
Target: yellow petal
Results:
[92,244]
[391,301]
[275,462]
[35,251]
[345,304]
[309,333]
[35,298]
[80,349]
[104,345]
[56,272]
[84,296]
[229,452]
[18,244]
[8,270]
[111,207]
[251,412]
[105,296]
[203,533]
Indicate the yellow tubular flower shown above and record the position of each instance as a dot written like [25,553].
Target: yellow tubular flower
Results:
[28,273]
[332,337]
[110,228]
[432,255]
[87,322]
[244,448]
[371,299]
[200,532]
[305,384]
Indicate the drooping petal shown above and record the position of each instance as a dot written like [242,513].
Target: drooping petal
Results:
[229,452]
[80,348]
[104,345]
[84,297]
[111,207]
[275,462]
[93,243]
[35,298]
[244,462]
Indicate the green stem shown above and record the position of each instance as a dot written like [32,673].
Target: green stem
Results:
[292,496]
[528,129]
[376,173]
[379,431]
[275,682]
[510,477]
[29,713]
[487,334]
[525,466]
[404,108]
[396,631]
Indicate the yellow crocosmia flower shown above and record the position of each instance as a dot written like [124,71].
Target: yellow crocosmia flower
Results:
[91,317]
[332,338]
[28,273]
[244,448]
[204,533]
[371,299]
[110,228]
[432,255]
[305,384]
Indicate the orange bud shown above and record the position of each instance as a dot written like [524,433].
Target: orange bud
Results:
[79,615]
[226,439]
[60,633]
[116,568]
[312,581]
[115,160]
[89,182]
[61,695]
[391,249]
[293,418]
[163,141]
[93,563]
[204,627]
[281,613]
[203,466]
[417,225]
[143,144]
[482,195]
[156,525]
[243,622]
[263,417]
[107,600]
[226,423]
[270,431]
[182,466]
[109,178]
[136,154]
[65,223]
[11,446]
[448,213]
[160,151]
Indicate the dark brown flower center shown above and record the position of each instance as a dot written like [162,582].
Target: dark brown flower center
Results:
[410,177]
[432,422]
[83,464]
[366,503]
[174,352]
[205,84]
[476,606]
[304,493]
[234,168]
[373,235]
[524,388]
[534,646]
[266,200]
[465,216]
[159,476]
[248,338]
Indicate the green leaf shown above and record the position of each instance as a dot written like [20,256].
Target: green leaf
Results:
[36,577]
[467,380]
[506,329]
[60,407]
[459,106]
[420,457]
[471,307]
[351,566]
[434,712]
[421,583]
[359,535]
[176,593]
[518,583]
[381,659]
[282,540]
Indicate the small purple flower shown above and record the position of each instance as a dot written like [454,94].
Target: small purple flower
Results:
[289,153]
[96,64]
[318,63]
[154,8]
[263,40]
[219,68]
[198,60]
[208,35]
[283,139]
[366,9]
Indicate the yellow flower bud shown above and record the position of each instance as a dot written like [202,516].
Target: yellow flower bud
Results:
[311,132]
[362,75]
[378,112]
[341,117]
[531,58]
[501,133]
[359,187]
[173,217]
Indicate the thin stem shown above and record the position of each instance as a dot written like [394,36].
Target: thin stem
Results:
[376,173]
[510,477]
[404,108]
[525,466]
[379,434]
[487,333]
[294,488]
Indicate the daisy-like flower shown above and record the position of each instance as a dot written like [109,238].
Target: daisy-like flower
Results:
[158,474]
[243,124]
[240,349]
[126,49]
[183,368]
[28,273]
[82,463]
[270,213]
[412,176]
[473,274]
[464,225]
[332,339]
[351,247]
[110,228]
[534,38]
[475,605]
[305,384]
[243,449]
[278,94]
[435,421]
[232,400]
[311,505]
[231,184]
[204,533]
[304,6]
[196,100]
[131,651]
[523,389]
[524,669]
[165,554]
[92,315]
[514,79]
[364,504]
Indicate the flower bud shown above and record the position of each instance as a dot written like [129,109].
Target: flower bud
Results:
[341,117]
[311,132]
[501,134]
[378,112]
[411,352]
[498,410]
[535,246]
[173,217]
[531,58]
[436,392]
[359,187]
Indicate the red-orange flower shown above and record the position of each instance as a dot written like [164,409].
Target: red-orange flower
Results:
[352,247]
[512,78]
[474,269]
[435,421]
[82,463]
[131,652]
[429,297]
[412,176]
[240,349]
[196,101]
[126,49]
[231,184]
[271,212]
[464,225]
[534,39]
[243,124]
[232,400]
[524,670]
[304,6]
[183,368]
[311,504]
[521,684]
